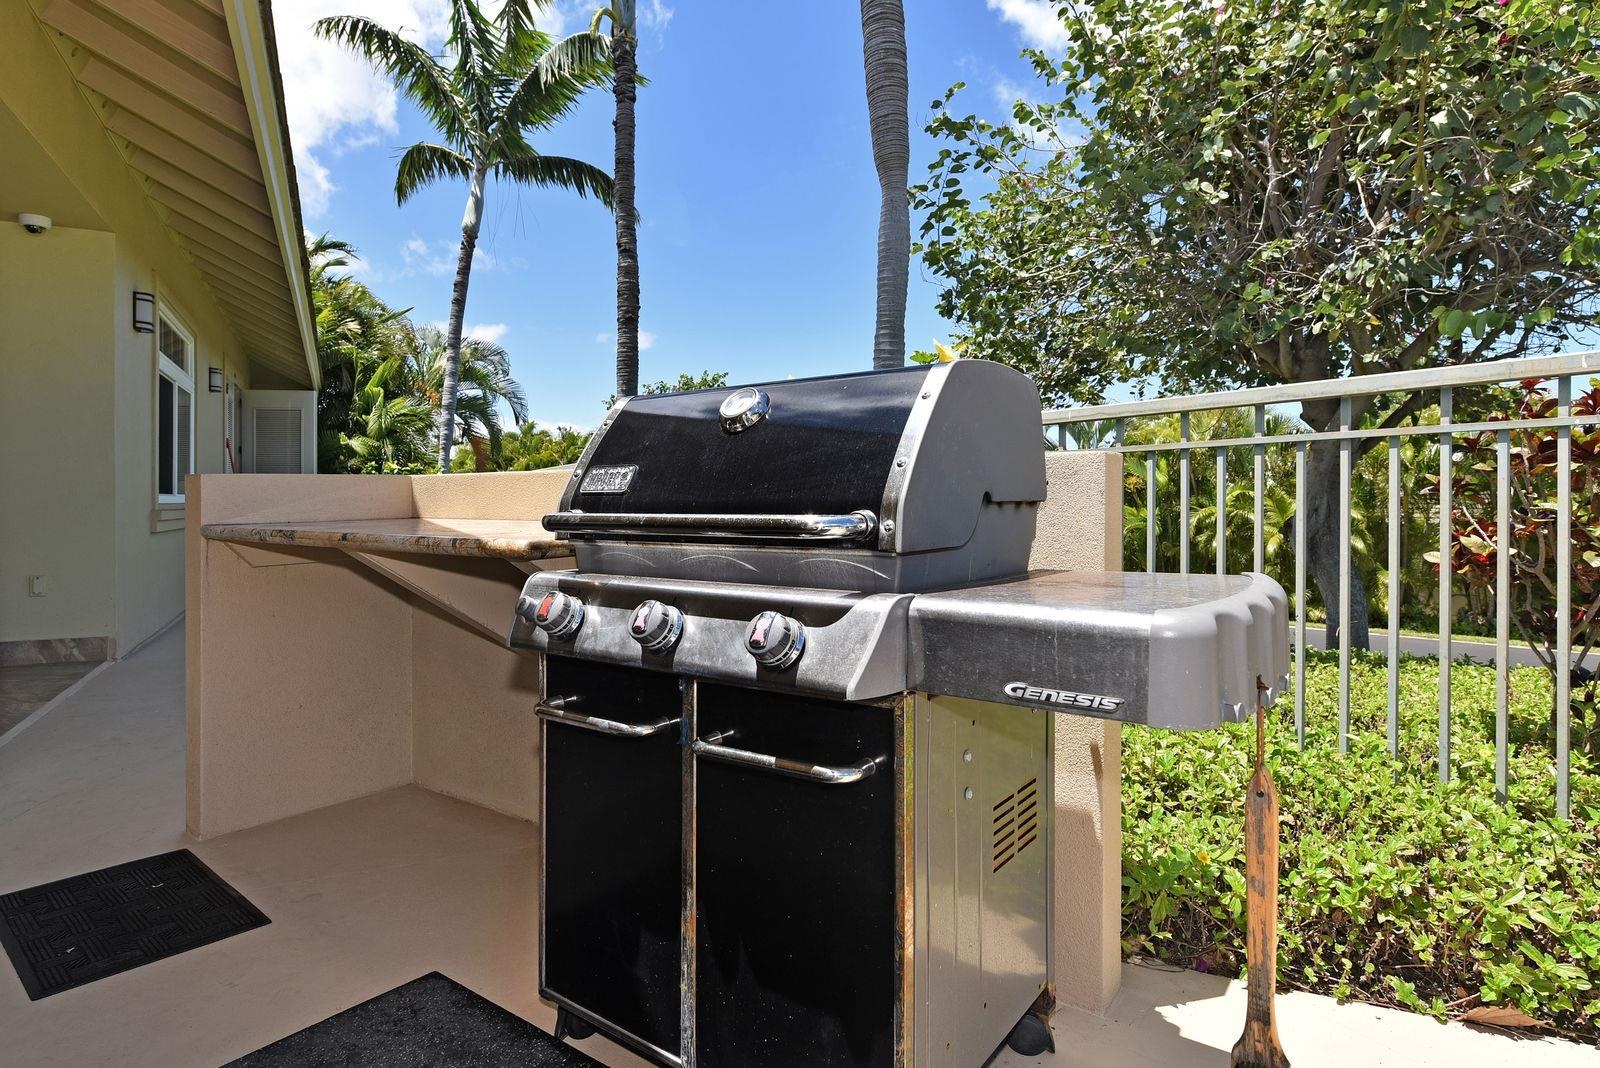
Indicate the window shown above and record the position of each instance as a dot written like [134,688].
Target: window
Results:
[174,409]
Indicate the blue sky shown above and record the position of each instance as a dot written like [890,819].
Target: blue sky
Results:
[757,195]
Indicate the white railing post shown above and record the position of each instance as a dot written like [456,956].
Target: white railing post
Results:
[1396,522]
[1345,567]
[1446,573]
[1564,599]
[1183,495]
[1259,558]
[1502,612]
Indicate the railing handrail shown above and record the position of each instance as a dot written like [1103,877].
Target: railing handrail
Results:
[1422,378]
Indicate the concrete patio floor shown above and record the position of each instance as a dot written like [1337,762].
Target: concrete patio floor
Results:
[370,894]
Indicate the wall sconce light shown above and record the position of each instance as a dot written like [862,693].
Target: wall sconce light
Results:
[214,379]
[144,312]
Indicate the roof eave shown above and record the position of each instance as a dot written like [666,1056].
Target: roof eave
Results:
[256,51]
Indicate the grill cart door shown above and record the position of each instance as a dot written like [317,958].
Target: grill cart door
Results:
[612,819]
[795,881]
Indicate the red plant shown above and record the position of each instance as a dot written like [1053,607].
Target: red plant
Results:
[1534,513]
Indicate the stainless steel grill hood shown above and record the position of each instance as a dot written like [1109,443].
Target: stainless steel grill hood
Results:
[912,479]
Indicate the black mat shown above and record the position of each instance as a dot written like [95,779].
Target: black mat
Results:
[74,931]
[432,1022]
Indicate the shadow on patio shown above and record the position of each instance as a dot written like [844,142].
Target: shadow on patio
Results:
[367,895]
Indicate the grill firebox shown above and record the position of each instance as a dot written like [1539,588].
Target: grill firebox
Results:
[798,712]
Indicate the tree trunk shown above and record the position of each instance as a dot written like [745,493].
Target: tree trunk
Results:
[883,46]
[1322,529]
[624,50]
[471,220]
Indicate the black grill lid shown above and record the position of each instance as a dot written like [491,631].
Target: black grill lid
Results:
[826,446]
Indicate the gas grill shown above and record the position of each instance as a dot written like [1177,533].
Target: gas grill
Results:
[797,716]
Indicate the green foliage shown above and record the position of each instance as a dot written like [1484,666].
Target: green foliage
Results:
[682,384]
[1246,192]
[529,448]
[1393,889]
[382,379]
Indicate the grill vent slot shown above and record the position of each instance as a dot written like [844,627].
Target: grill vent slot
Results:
[1016,822]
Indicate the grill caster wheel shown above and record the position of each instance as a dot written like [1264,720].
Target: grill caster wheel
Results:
[1031,1036]
[570,1025]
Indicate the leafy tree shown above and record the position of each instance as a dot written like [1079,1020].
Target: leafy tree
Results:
[682,384]
[624,18]
[356,333]
[531,447]
[500,80]
[389,425]
[1243,193]
[883,47]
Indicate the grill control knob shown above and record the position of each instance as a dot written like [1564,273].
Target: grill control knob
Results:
[656,626]
[775,640]
[557,614]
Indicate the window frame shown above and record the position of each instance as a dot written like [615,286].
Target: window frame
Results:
[180,379]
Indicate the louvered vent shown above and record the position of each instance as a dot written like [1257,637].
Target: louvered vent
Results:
[1016,822]
[277,444]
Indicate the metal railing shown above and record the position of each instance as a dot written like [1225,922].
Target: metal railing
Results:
[1441,382]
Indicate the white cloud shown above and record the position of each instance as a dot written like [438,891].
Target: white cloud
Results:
[438,258]
[655,15]
[489,332]
[334,99]
[1037,19]
[647,340]
[337,102]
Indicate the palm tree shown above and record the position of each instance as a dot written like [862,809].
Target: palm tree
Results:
[500,80]
[356,332]
[883,46]
[624,58]
[393,424]
[484,383]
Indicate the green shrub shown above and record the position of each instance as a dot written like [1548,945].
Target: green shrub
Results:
[1393,889]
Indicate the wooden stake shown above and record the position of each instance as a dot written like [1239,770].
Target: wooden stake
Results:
[1258,1047]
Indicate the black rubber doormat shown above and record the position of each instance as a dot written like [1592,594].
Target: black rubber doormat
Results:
[74,931]
[431,1022]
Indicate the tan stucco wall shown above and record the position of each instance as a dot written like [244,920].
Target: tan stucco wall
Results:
[1080,529]
[293,657]
[88,387]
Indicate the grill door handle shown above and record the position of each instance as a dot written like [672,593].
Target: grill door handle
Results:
[795,769]
[555,709]
[857,524]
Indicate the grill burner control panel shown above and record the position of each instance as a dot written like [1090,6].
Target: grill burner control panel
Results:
[1176,651]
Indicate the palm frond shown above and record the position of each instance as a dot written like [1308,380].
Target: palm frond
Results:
[425,163]
[419,74]
[562,172]
[548,90]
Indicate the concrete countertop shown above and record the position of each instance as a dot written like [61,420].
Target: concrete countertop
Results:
[505,539]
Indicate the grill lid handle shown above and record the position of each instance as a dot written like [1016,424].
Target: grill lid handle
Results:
[856,525]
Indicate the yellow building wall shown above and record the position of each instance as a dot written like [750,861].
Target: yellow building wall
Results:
[77,414]
[57,490]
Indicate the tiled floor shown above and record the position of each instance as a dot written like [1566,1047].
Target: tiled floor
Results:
[25,688]
[370,894]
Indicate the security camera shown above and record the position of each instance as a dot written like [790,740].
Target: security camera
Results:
[34,224]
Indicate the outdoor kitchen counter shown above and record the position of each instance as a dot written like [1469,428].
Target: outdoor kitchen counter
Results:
[502,539]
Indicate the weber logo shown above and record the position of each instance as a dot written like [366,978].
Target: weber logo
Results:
[1087,702]
[608,479]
